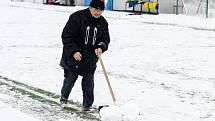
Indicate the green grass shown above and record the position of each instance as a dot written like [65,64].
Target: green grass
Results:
[44,97]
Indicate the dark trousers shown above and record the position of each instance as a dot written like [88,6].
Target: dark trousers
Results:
[71,2]
[87,84]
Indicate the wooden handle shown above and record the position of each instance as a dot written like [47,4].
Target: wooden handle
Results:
[107,79]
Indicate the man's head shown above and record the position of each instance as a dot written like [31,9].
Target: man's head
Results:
[96,8]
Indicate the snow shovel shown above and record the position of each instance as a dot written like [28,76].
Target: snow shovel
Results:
[108,82]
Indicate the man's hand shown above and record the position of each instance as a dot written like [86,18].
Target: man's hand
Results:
[77,56]
[98,51]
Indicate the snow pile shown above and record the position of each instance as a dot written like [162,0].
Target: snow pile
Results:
[126,112]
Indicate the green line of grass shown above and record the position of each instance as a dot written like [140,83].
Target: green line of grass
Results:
[34,96]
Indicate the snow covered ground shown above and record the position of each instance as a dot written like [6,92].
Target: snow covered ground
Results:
[161,67]
[12,114]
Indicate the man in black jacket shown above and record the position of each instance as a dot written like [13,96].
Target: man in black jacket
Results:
[84,37]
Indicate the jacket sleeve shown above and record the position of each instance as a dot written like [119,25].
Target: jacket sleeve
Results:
[69,35]
[105,40]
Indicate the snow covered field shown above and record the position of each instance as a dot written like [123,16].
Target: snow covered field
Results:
[161,67]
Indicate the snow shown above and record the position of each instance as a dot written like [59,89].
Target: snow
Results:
[161,67]
[128,112]
[12,114]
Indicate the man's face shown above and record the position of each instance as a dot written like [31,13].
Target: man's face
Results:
[96,12]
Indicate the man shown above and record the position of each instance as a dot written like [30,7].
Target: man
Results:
[64,2]
[85,36]
[71,3]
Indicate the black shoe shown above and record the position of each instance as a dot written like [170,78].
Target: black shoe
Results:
[63,102]
[86,108]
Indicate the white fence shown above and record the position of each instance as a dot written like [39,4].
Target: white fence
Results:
[199,7]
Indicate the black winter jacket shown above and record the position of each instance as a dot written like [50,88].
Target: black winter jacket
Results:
[83,33]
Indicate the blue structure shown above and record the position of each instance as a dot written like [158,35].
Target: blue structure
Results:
[87,2]
[109,5]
